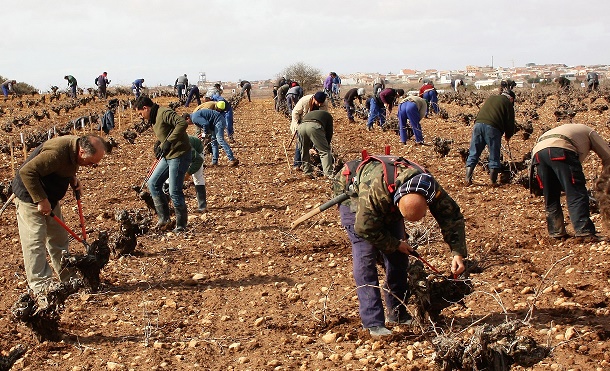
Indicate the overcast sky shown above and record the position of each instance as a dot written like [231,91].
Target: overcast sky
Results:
[41,40]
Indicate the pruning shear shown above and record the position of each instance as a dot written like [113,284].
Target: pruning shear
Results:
[416,255]
[82,223]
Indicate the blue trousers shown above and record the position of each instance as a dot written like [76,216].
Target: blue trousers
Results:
[559,169]
[194,93]
[180,90]
[377,111]
[485,135]
[366,276]
[218,137]
[5,91]
[174,170]
[431,97]
[228,115]
[350,109]
[408,110]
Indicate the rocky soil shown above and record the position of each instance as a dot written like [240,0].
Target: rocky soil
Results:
[242,291]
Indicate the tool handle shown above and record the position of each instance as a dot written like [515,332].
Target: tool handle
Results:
[61,222]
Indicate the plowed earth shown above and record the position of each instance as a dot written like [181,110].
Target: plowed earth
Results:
[242,291]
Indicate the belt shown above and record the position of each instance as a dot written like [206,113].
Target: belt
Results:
[561,136]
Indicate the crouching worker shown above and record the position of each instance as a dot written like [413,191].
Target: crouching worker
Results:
[558,156]
[374,220]
[174,154]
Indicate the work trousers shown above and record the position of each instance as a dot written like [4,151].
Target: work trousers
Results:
[312,133]
[396,265]
[40,234]
[377,111]
[408,110]
[559,169]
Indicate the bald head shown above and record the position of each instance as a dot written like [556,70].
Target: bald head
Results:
[91,149]
[413,206]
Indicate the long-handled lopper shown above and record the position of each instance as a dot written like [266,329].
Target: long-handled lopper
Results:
[150,172]
[71,232]
[80,214]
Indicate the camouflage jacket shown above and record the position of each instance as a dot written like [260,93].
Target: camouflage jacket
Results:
[374,207]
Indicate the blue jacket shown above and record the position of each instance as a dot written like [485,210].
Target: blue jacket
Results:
[137,84]
[207,119]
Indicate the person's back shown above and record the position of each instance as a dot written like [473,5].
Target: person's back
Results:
[499,112]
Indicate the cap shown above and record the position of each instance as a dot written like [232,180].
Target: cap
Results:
[221,105]
[361,91]
[320,97]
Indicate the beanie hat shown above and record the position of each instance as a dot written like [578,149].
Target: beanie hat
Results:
[423,184]
[361,91]
[221,105]
[320,97]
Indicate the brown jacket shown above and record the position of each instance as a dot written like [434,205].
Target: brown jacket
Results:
[575,137]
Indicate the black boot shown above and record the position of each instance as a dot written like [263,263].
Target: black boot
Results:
[201,198]
[181,218]
[493,174]
[469,170]
[162,208]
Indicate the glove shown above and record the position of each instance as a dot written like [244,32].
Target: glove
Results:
[166,147]
[293,127]
[157,149]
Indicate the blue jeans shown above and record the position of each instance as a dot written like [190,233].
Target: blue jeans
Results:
[377,110]
[431,97]
[560,169]
[219,138]
[228,115]
[174,170]
[366,276]
[5,91]
[180,89]
[408,110]
[485,135]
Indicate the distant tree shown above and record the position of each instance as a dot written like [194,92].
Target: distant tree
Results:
[20,87]
[307,76]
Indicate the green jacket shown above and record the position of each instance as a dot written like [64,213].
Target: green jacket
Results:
[376,209]
[171,126]
[498,112]
[71,81]
[197,154]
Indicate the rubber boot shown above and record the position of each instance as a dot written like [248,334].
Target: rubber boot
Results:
[469,170]
[201,198]
[181,218]
[493,174]
[162,209]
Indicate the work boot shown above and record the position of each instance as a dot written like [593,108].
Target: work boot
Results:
[181,218]
[379,331]
[162,209]
[493,175]
[234,163]
[469,170]
[202,203]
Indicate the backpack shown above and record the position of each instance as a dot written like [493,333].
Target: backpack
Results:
[391,168]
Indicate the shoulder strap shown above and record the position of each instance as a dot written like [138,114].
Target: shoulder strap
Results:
[391,167]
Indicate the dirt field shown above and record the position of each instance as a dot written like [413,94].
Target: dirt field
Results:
[241,291]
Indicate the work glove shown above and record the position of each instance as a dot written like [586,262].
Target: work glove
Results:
[166,147]
[157,149]
[293,127]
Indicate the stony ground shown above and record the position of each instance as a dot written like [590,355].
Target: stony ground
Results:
[243,291]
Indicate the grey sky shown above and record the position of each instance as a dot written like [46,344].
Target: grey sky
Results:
[255,39]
